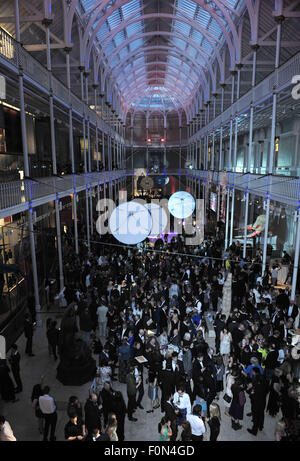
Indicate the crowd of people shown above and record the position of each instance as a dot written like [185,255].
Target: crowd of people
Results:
[148,315]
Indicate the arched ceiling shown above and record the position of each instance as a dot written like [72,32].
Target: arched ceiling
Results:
[159,53]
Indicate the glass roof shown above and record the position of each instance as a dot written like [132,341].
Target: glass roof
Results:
[158,59]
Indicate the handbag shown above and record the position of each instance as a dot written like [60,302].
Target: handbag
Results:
[227,398]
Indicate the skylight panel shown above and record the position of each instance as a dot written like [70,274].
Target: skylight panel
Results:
[179,43]
[123,53]
[136,44]
[119,38]
[174,60]
[192,52]
[114,19]
[196,36]
[215,29]
[232,3]
[187,7]
[103,32]
[203,17]
[182,27]
[207,46]
[88,4]
[110,48]
[134,28]
[129,8]
[139,61]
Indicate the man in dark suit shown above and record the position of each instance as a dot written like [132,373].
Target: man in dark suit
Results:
[15,367]
[199,366]
[167,384]
[170,414]
[92,411]
[104,357]
[138,325]
[258,398]
[178,374]
[107,399]
[163,315]
[123,331]
[175,339]
[28,332]
[140,338]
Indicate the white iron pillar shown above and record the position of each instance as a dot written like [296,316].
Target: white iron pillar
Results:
[81,68]
[230,158]
[223,85]
[255,48]
[27,170]
[212,163]
[95,86]
[227,216]
[71,148]
[279,20]
[46,22]
[90,170]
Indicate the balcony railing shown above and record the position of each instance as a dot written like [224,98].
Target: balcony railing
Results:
[15,56]
[284,189]
[257,95]
[19,196]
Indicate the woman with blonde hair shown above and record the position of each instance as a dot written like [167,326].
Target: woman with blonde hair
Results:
[214,421]
[112,426]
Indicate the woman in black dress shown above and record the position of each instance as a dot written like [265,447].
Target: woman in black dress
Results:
[275,393]
[119,409]
[37,392]
[214,421]
[7,389]
[236,410]
[75,405]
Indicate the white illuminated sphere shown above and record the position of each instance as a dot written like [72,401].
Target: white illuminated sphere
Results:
[130,223]
[181,204]
[159,219]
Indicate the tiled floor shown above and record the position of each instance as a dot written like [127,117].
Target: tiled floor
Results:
[21,414]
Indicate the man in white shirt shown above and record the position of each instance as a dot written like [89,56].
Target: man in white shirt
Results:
[48,408]
[6,433]
[183,403]
[197,424]
[102,318]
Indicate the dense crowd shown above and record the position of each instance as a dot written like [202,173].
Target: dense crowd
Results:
[148,314]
